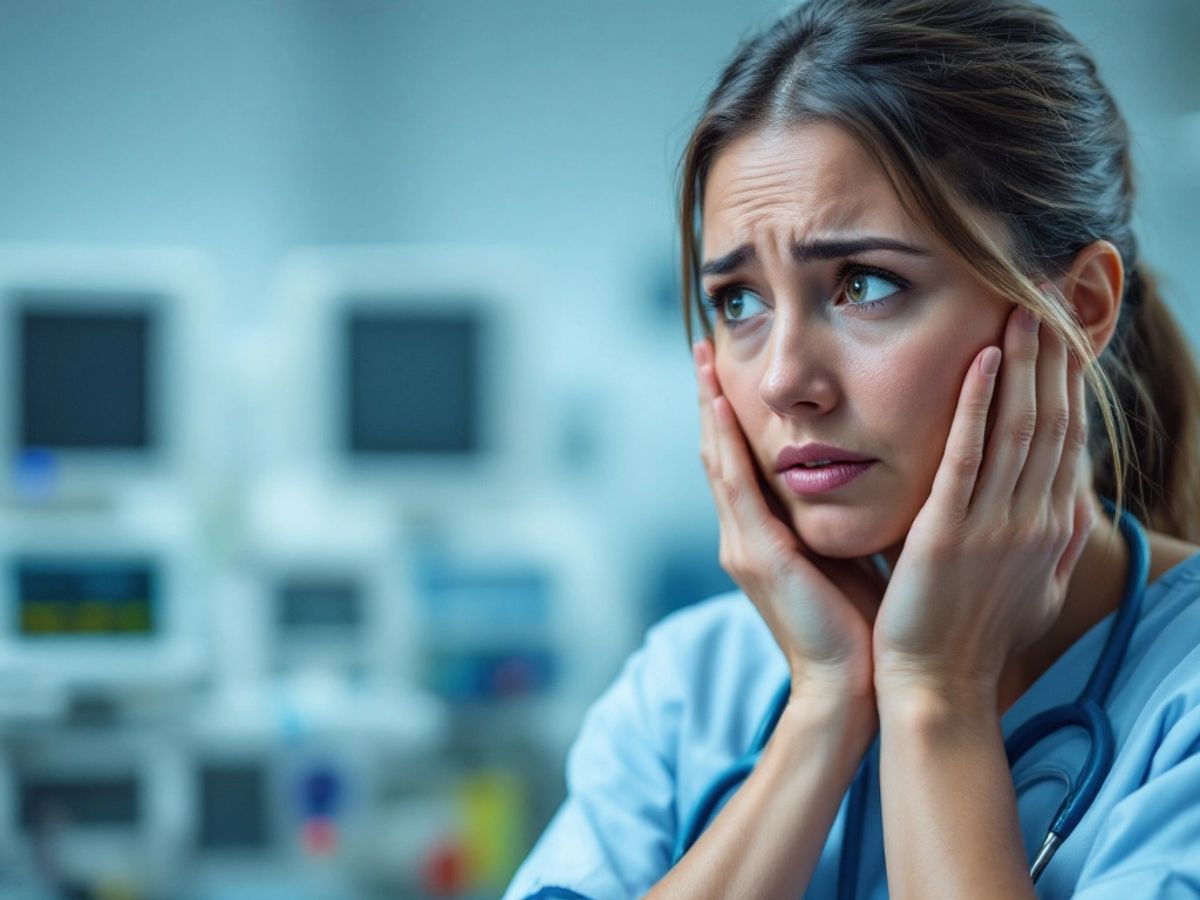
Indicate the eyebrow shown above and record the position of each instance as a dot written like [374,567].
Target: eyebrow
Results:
[805,251]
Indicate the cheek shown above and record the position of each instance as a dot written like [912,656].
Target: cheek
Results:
[739,384]
[918,389]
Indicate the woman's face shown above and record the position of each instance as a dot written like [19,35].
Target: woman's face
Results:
[803,356]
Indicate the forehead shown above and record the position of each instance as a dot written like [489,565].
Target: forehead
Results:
[799,183]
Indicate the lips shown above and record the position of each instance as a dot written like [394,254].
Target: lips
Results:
[799,454]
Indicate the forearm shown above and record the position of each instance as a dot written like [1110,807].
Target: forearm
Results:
[767,839]
[950,822]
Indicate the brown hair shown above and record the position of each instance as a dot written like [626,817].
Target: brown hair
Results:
[986,106]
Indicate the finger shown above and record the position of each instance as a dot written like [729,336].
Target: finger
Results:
[701,355]
[710,445]
[712,388]
[743,495]
[1083,522]
[955,478]
[774,504]
[760,518]
[1065,487]
[1053,422]
[1016,417]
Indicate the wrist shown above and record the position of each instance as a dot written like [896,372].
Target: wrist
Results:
[934,701]
[833,709]
[849,683]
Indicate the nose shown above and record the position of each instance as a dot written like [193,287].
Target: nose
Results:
[798,374]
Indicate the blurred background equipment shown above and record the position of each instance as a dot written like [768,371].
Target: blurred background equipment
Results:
[105,360]
[411,371]
[93,603]
[347,426]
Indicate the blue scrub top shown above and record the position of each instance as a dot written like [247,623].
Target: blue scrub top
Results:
[686,704]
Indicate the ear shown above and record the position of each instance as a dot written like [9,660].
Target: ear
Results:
[1094,284]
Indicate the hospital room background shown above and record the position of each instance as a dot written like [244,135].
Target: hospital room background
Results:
[347,421]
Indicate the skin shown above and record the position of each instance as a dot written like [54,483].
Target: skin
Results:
[888,382]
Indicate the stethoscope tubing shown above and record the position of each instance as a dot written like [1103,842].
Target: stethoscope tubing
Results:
[1087,710]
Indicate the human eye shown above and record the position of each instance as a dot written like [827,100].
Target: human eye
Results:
[729,303]
[866,286]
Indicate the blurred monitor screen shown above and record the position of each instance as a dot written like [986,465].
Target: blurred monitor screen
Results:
[84,375]
[412,382]
[319,603]
[85,597]
[94,801]
[233,807]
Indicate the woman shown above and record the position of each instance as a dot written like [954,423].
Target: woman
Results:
[935,350]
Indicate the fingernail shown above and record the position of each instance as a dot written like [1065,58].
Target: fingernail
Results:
[991,361]
[1029,320]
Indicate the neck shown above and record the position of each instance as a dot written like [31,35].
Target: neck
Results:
[1096,589]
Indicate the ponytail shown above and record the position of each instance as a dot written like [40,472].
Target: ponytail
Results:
[1154,372]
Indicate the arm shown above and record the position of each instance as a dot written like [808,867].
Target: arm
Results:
[950,823]
[766,840]
[983,573]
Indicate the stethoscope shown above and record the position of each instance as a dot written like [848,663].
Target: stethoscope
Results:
[1086,712]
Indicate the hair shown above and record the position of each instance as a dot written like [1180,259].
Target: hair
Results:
[986,107]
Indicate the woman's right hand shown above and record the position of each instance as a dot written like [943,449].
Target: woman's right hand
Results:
[820,610]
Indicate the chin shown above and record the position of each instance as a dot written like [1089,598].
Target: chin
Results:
[840,532]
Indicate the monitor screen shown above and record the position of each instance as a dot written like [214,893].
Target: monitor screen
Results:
[319,603]
[99,598]
[411,382]
[95,801]
[233,807]
[85,374]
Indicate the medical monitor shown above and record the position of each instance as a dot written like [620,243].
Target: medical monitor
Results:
[502,597]
[103,357]
[85,371]
[94,605]
[97,804]
[324,617]
[411,379]
[114,597]
[337,612]
[414,368]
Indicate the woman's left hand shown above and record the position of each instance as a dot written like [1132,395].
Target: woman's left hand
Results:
[986,564]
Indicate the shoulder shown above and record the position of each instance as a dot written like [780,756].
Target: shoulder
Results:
[722,632]
[1170,619]
[697,664]
[703,676]
[722,622]
[1159,687]
[713,647]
